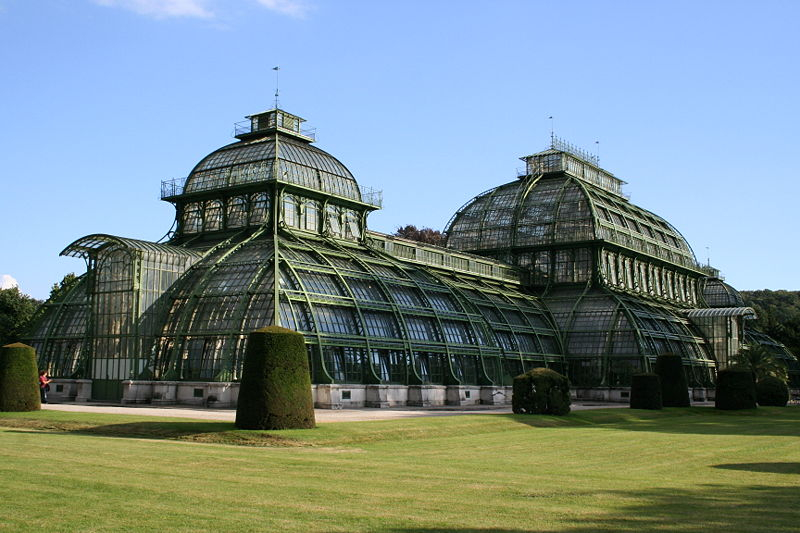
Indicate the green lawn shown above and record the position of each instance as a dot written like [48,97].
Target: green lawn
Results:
[684,470]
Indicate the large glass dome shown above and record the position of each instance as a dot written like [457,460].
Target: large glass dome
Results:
[614,275]
[264,159]
[543,209]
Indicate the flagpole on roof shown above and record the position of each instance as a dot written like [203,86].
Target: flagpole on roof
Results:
[276,69]
[278,201]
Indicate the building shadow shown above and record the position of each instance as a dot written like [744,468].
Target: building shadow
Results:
[704,508]
[211,432]
[768,468]
[157,430]
[138,430]
[779,421]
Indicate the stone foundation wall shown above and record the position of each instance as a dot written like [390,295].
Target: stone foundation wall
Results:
[338,396]
[70,390]
[225,395]
[623,394]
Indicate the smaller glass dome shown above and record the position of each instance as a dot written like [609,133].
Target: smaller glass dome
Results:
[717,293]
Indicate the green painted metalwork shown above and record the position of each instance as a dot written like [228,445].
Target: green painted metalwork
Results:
[588,251]
[59,332]
[555,269]
[778,350]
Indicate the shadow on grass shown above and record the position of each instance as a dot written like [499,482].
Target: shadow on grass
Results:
[208,432]
[769,468]
[195,431]
[706,508]
[710,507]
[765,421]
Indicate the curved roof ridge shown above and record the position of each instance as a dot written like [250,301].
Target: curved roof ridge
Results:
[91,244]
[711,312]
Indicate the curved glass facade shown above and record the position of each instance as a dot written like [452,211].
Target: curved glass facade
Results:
[59,333]
[556,269]
[617,277]
[559,209]
[367,317]
[264,159]
[609,336]
[717,293]
[778,350]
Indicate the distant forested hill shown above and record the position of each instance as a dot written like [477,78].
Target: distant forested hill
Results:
[778,315]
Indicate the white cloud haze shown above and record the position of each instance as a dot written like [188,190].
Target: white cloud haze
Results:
[292,8]
[162,8]
[8,282]
[199,8]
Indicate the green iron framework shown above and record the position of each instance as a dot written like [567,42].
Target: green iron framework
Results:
[556,268]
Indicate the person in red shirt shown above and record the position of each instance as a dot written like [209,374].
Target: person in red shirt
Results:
[44,385]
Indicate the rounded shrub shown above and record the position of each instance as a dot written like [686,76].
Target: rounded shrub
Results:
[541,391]
[275,391]
[674,387]
[19,378]
[646,391]
[772,391]
[736,389]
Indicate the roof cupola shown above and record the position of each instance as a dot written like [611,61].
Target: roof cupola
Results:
[272,121]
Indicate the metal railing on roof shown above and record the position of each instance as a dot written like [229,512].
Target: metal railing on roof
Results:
[173,187]
[557,143]
[371,196]
[445,258]
[246,126]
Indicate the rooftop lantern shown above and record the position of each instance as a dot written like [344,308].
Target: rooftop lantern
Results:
[272,121]
[565,157]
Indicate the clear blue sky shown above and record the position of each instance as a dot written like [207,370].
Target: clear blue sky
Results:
[695,105]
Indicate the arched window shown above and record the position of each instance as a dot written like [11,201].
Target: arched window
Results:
[310,216]
[259,207]
[237,212]
[192,218]
[213,216]
[334,220]
[352,227]
[291,215]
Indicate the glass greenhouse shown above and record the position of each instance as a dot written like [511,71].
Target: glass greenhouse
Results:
[556,269]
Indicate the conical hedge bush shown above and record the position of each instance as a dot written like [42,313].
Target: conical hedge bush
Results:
[541,391]
[736,389]
[275,391]
[19,378]
[674,387]
[772,391]
[646,391]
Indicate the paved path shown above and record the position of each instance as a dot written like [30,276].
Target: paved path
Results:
[322,415]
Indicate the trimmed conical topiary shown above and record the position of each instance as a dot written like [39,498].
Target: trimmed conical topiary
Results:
[736,389]
[541,391]
[19,378]
[674,387]
[646,391]
[275,391]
